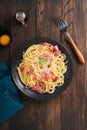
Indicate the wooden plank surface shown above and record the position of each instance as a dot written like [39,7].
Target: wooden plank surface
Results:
[74,106]
[68,111]
[4,52]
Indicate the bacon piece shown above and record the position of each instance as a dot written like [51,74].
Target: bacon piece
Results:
[30,70]
[22,68]
[35,88]
[36,78]
[46,44]
[55,79]
[45,75]
[57,53]
[39,87]
[56,50]
[42,85]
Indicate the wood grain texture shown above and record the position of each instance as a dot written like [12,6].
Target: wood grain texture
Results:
[68,111]
[22,34]
[4,21]
[74,106]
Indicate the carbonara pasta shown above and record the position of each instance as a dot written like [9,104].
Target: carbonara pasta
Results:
[42,68]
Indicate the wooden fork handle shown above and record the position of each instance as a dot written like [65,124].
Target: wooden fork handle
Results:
[77,51]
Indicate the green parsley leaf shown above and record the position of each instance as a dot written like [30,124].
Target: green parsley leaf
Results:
[43,60]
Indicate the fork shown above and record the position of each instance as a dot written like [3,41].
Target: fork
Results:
[63,28]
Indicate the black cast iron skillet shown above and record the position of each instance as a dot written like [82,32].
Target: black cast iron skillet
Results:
[17,58]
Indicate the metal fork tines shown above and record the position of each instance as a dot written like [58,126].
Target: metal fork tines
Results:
[62,24]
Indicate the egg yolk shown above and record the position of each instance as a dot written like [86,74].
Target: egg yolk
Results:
[5,40]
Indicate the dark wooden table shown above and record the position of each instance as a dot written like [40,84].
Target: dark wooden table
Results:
[67,111]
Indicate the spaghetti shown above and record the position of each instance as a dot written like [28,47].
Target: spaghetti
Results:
[42,68]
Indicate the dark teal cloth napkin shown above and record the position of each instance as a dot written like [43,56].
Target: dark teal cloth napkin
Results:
[10,100]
